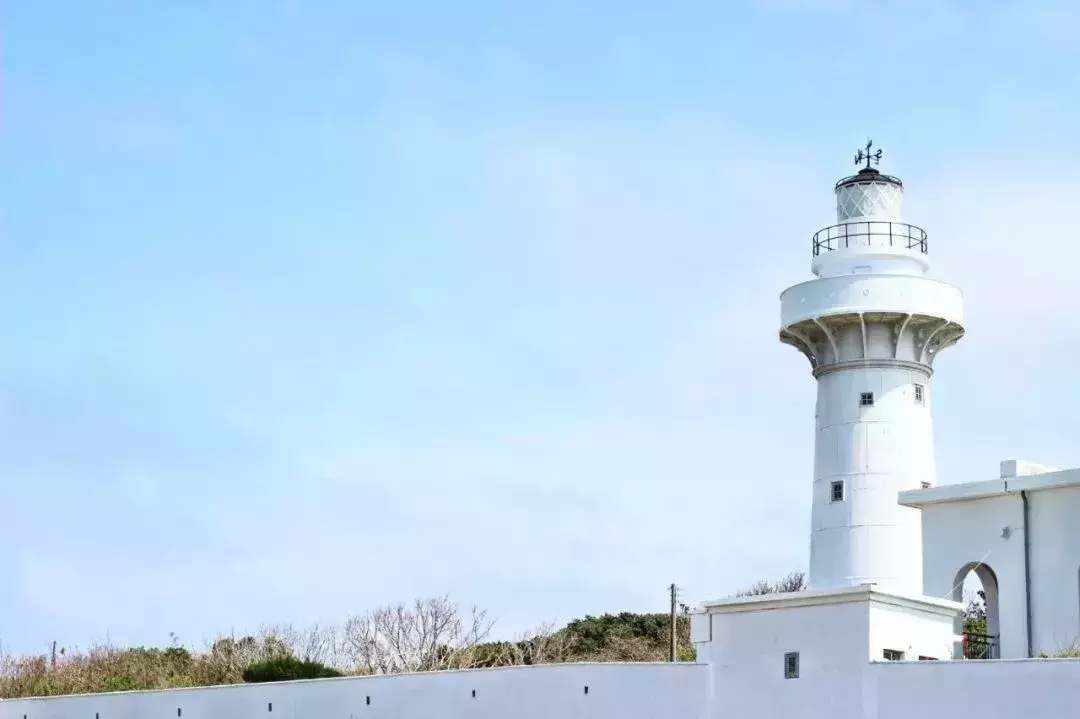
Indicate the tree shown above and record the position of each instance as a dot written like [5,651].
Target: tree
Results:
[426,635]
[597,635]
[545,645]
[975,628]
[794,582]
[628,637]
[429,635]
[975,614]
[317,643]
[226,659]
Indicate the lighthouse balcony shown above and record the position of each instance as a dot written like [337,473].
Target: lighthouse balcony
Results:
[860,318]
[874,234]
[856,294]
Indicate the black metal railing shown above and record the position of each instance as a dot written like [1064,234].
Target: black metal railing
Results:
[870,234]
[868,175]
[980,646]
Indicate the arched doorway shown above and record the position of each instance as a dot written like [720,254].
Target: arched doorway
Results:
[976,587]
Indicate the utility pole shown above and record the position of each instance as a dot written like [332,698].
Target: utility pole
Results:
[674,622]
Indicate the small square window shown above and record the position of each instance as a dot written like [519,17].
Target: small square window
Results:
[791,665]
[838,491]
[893,655]
[920,394]
[866,399]
[926,485]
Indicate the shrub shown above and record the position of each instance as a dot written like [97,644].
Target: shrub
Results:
[119,683]
[286,668]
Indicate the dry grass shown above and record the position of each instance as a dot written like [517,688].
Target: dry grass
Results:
[1068,651]
[429,634]
[105,668]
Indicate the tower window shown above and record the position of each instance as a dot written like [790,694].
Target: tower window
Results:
[866,399]
[791,665]
[838,491]
[893,655]
[920,394]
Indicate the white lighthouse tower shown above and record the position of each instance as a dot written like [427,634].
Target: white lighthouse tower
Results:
[871,324]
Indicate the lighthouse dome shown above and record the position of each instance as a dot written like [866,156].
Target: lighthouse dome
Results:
[869,195]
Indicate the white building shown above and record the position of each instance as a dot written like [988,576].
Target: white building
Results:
[878,632]
[1021,535]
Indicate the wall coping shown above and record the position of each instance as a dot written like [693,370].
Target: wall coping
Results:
[369,677]
[970,491]
[842,595]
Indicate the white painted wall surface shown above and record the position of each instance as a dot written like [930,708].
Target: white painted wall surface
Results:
[835,681]
[918,632]
[746,657]
[616,691]
[870,293]
[837,634]
[1055,568]
[959,534]
[875,452]
[1027,689]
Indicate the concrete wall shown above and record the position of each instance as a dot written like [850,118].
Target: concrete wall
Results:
[619,691]
[999,689]
[839,684]
[747,661]
[963,532]
[874,452]
[1055,568]
[957,534]
[916,632]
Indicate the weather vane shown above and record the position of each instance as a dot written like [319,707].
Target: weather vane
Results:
[866,156]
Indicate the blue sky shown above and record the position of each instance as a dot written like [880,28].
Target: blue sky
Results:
[313,306]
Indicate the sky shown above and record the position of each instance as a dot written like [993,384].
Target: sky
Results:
[312,307]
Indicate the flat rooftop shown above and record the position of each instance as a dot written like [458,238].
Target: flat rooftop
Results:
[1016,476]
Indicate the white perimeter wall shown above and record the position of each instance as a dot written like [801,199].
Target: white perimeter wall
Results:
[619,691]
[828,687]
[1016,689]
[1022,689]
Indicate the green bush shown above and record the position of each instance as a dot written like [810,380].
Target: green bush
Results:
[119,683]
[286,668]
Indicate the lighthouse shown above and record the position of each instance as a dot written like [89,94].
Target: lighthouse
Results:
[872,322]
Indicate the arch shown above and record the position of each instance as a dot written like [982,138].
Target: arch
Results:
[989,646]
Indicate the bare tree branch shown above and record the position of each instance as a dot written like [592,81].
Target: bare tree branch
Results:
[429,635]
[794,582]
